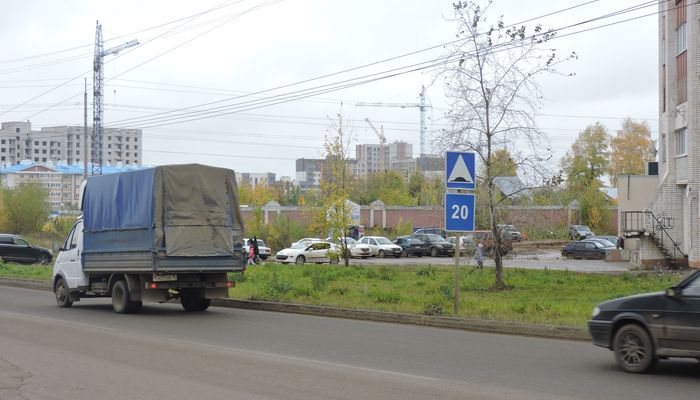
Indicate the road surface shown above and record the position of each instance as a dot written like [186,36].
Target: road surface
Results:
[89,352]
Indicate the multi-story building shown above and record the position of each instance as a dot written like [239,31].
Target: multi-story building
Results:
[67,144]
[61,181]
[255,179]
[668,230]
[372,158]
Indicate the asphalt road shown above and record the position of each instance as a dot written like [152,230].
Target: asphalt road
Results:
[88,352]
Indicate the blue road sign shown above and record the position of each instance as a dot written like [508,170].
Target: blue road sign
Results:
[459,212]
[460,170]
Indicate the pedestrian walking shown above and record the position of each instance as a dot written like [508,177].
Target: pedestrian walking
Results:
[479,255]
[251,253]
[620,243]
[256,249]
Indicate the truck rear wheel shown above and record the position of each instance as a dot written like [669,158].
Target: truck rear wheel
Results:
[62,295]
[121,299]
[194,301]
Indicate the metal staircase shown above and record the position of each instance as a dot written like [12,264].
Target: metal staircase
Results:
[646,223]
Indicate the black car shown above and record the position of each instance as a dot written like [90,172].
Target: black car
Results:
[578,232]
[411,246]
[644,328]
[14,248]
[584,249]
[437,245]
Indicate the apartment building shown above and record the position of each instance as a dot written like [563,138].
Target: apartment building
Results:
[667,231]
[255,179]
[67,144]
[61,181]
[372,158]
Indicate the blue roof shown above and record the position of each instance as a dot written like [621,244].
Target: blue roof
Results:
[70,169]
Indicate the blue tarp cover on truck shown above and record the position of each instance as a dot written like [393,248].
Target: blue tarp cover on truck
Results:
[181,210]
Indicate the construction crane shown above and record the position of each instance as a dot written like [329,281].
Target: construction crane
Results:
[382,144]
[420,105]
[98,95]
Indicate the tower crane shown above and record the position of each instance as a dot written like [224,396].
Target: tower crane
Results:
[421,105]
[382,144]
[98,95]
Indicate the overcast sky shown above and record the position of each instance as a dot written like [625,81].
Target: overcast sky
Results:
[220,52]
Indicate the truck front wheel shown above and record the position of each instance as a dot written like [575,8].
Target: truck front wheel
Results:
[121,299]
[62,295]
[193,301]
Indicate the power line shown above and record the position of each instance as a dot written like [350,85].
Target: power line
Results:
[165,119]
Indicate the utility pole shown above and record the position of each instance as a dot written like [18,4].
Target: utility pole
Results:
[85,135]
[98,95]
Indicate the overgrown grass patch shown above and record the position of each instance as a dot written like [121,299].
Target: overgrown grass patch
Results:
[534,296]
[21,271]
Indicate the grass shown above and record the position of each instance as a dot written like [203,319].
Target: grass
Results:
[534,296]
[31,272]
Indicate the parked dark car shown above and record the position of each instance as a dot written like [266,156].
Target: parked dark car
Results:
[644,328]
[411,246]
[426,231]
[16,249]
[605,242]
[578,232]
[585,249]
[510,232]
[437,245]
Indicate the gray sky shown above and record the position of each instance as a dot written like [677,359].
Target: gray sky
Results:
[245,46]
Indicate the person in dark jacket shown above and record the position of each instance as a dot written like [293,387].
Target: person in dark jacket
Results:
[256,249]
[620,242]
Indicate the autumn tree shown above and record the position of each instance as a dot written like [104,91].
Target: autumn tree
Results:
[490,82]
[336,185]
[24,208]
[584,165]
[630,149]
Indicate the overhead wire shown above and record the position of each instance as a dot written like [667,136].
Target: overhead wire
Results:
[164,118]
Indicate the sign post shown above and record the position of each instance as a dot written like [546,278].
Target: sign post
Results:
[460,170]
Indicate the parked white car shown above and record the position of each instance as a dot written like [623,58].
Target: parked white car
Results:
[307,241]
[359,250]
[263,250]
[314,252]
[381,246]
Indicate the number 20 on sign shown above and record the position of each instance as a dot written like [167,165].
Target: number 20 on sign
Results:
[459,212]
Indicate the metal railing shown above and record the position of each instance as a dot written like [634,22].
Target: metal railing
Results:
[640,222]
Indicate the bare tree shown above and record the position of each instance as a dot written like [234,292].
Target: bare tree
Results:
[493,93]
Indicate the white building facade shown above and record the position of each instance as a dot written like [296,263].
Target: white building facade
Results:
[669,229]
[67,144]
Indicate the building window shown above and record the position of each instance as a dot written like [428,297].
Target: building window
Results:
[680,142]
[16,130]
[43,143]
[36,143]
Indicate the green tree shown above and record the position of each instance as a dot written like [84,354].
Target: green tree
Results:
[584,166]
[630,149]
[587,161]
[24,208]
[503,163]
[493,93]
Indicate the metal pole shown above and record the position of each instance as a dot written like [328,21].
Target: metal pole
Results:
[458,250]
[85,135]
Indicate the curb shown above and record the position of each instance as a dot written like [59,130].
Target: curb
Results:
[487,326]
